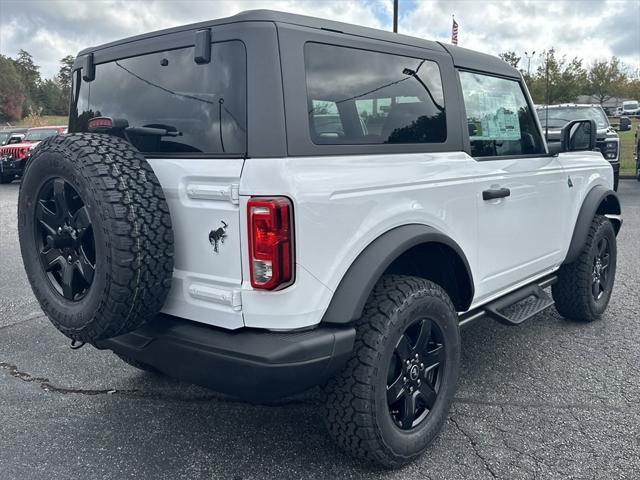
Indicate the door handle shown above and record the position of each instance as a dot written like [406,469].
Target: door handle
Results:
[495,193]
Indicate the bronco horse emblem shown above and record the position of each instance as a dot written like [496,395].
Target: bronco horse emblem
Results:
[216,237]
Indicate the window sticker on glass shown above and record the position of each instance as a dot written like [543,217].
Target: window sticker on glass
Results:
[499,120]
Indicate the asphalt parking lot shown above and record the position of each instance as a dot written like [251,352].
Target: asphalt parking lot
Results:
[549,399]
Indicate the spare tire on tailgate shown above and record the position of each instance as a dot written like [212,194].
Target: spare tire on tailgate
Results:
[95,234]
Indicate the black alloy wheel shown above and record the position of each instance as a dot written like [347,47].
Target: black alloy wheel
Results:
[415,374]
[64,239]
[393,395]
[600,272]
[95,235]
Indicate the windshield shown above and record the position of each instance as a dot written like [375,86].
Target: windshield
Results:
[41,134]
[559,117]
[629,105]
[4,136]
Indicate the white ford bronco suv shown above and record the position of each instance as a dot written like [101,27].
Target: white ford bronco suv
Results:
[269,202]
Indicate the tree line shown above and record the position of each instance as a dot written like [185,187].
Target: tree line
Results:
[24,92]
[568,78]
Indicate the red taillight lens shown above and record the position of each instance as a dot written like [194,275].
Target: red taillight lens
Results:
[98,123]
[271,262]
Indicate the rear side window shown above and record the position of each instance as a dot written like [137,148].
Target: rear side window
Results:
[203,107]
[499,119]
[363,97]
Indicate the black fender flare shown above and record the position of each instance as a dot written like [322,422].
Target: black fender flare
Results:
[599,200]
[357,283]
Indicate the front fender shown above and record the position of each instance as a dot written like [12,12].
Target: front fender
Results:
[599,200]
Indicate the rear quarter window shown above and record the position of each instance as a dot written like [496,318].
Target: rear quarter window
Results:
[202,105]
[365,97]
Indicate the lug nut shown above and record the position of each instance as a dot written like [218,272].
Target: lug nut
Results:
[59,229]
[418,381]
[422,366]
[408,362]
[69,258]
[417,356]
[404,379]
[410,389]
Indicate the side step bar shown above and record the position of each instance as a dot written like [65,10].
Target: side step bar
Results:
[516,307]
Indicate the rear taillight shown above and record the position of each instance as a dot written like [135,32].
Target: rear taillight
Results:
[100,123]
[270,222]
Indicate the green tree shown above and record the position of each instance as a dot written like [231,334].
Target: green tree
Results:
[12,91]
[65,72]
[49,95]
[511,58]
[30,74]
[566,79]
[64,79]
[606,79]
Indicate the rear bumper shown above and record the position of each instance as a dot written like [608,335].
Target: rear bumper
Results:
[247,363]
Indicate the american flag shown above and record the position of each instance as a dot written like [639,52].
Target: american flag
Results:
[454,32]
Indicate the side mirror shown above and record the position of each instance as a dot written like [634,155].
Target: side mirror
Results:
[579,135]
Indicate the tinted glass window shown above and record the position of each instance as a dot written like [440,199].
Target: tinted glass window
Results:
[202,107]
[362,97]
[499,119]
[560,116]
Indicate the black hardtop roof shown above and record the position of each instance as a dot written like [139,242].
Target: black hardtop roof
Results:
[284,17]
[462,57]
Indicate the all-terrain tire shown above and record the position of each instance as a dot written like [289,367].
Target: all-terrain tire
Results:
[355,407]
[131,229]
[572,292]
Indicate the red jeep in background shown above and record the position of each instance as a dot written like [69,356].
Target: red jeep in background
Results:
[13,158]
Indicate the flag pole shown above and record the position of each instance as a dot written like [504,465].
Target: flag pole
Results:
[395,16]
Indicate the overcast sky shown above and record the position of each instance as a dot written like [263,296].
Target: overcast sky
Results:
[51,29]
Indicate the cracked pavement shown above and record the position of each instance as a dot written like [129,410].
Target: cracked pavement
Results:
[546,400]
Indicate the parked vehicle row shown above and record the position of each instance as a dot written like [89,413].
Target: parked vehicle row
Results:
[10,136]
[15,154]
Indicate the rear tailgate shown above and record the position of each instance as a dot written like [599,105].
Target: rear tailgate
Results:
[203,201]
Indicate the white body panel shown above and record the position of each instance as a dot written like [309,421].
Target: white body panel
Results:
[525,233]
[343,203]
[201,195]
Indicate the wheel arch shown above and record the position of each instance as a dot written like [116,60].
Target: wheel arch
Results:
[401,250]
[599,201]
